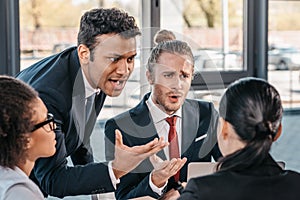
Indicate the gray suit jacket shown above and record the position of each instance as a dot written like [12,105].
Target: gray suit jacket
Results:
[199,118]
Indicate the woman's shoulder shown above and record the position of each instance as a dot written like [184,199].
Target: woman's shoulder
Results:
[15,184]
[292,174]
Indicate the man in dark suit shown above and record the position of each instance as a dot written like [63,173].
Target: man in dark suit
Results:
[73,84]
[169,72]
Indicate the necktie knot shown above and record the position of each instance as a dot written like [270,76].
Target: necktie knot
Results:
[172,120]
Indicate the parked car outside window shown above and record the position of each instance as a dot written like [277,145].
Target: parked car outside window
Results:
[284,57]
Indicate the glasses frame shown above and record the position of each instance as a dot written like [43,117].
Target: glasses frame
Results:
[50,119]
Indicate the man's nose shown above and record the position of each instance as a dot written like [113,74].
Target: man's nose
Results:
[176,83]
[123,67]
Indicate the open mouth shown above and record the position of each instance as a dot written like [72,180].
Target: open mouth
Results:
[174,98]
[117,84]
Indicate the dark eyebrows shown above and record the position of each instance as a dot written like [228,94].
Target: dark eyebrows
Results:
[134,55]
[168,72]
[184,72]
[114,55]
[119,55]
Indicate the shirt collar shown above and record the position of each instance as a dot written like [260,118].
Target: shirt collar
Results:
[157,114]
[89,90]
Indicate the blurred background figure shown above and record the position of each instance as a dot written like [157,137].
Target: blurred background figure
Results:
[26,134]
[250,120]
[163,35]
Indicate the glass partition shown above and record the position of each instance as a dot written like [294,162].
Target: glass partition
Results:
[284,50]
[214,28]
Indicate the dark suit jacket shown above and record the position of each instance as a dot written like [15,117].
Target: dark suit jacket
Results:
[265,182]
[59,81]
[137,128]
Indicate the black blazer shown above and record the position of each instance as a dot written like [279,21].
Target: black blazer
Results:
[265,182]
[59,81]
[199,118]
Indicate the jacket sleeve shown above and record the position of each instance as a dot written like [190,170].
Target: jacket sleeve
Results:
[134,184]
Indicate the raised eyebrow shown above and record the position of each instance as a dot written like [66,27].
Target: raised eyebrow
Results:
[132,56]
[114,55]
[184,72]
[168,72]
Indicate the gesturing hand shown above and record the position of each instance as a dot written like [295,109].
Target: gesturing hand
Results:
[163,170]
[128,158]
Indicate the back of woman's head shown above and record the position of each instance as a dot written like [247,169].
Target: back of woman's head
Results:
[253,107]
[16,101]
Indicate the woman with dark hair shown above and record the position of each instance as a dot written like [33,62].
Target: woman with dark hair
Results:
[26,134]
[250,120]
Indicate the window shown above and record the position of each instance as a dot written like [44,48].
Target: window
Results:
[284,51]
[214,29]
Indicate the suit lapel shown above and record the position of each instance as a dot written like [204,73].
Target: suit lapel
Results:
[144,125]
[144,128]
[99,101]
[89,126]
[78,105]
[190,125]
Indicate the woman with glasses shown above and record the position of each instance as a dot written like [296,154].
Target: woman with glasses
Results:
[26,134]
[250,120]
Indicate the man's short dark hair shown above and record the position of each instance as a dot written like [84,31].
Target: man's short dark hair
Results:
[104,21]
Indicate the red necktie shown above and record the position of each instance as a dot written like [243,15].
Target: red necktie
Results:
[173,140]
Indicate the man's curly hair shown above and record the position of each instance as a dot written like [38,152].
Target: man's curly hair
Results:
[16,102]
[104,21]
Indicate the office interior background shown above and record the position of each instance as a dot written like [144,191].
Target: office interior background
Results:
[230,39]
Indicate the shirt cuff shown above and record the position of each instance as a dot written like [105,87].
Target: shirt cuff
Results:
[113,178]
[158,190]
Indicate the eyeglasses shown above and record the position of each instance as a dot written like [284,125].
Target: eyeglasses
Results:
[49,121]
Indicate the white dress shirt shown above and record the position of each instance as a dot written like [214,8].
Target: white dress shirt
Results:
[161,125]
[89,90]
[162,128]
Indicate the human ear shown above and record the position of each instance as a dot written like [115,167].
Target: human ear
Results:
[278,133]
[224,129]
[29,143]
[83,53]
[150,77]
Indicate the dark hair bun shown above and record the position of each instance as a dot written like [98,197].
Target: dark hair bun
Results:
[263,129]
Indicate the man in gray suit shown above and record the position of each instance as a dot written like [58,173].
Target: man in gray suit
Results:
[192,137]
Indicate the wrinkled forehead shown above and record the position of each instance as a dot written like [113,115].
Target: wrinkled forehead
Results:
[116,44]
[174,62]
